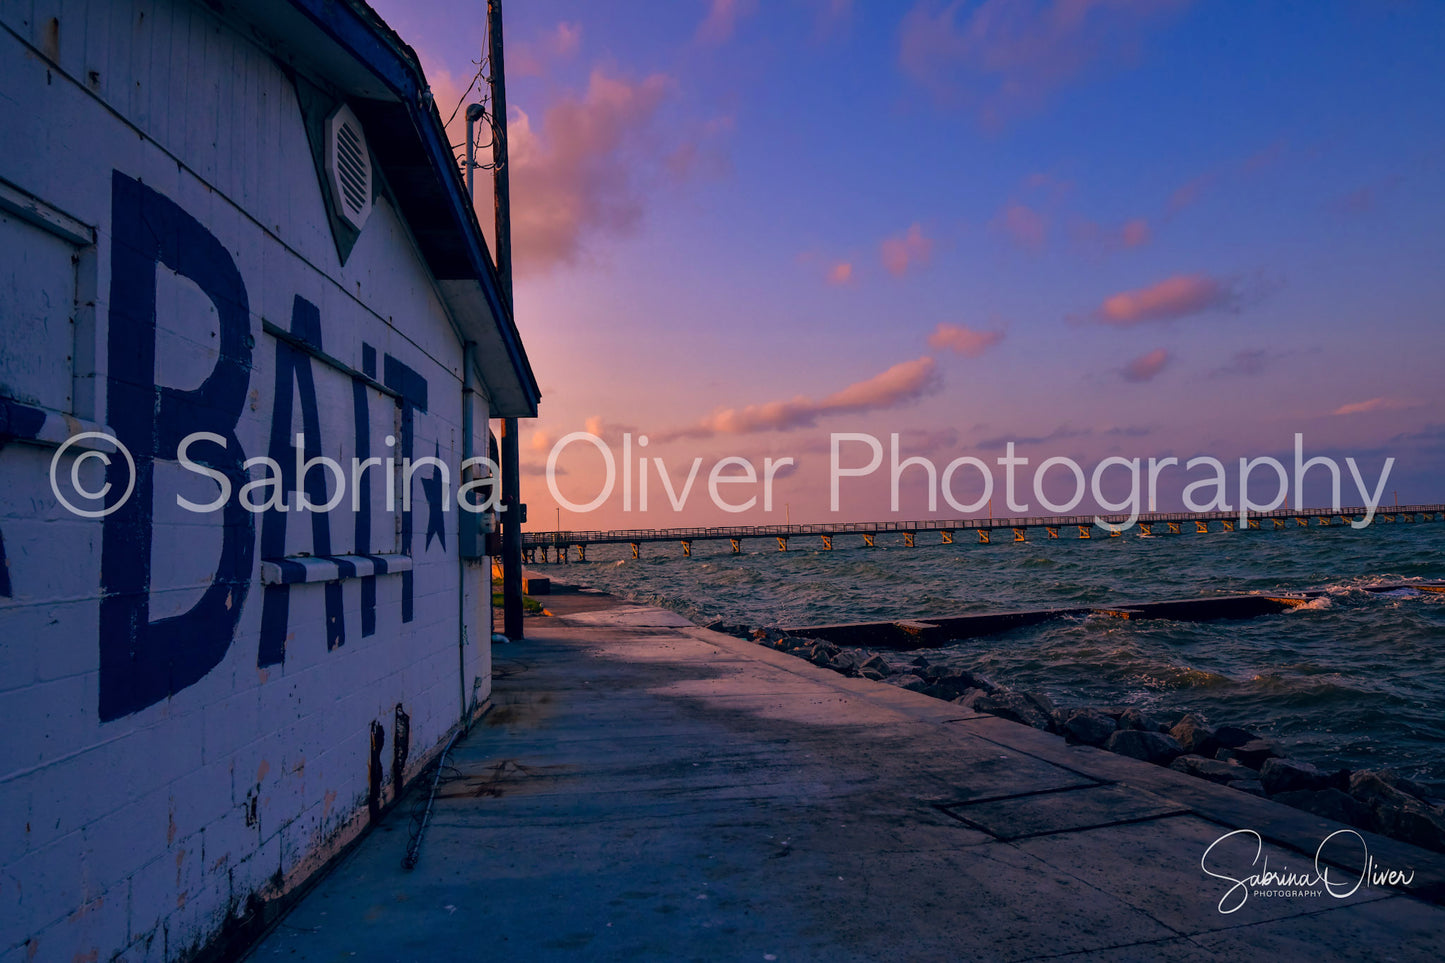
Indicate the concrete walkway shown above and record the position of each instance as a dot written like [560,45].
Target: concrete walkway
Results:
[648,790]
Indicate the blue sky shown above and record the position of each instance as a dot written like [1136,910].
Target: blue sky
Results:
[1145,228]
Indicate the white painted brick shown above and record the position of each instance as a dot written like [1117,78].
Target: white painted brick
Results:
[114,804]
[41,887]
[192,923]
[120,840]
[96,927]
[148,948]
[257,871]
[47,714]
[227,842]
[199,798]
[73,626]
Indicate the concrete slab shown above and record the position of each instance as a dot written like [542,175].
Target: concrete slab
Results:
[1058,811]
[659,792]
[635,615]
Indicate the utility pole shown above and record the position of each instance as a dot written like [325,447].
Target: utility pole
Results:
[512,507]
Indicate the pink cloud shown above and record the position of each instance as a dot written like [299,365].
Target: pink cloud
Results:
[530,58]
[597,425]
[1264,158]
[1093,236]
[1146,366]
[587,166]
[905,382]
[1023,225]
[581,170]
[906,250]
[1135,233]
[840,273]
[1172,298]
[1249,362]
[1366,198]
[1003,57]
[965,341]
[722,20]
[1374,404]
[1188,193]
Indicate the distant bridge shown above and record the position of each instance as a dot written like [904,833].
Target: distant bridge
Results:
[560,544]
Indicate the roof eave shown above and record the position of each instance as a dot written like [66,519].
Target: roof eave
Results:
[347,32]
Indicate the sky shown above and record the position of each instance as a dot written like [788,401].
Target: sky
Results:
[1093,228]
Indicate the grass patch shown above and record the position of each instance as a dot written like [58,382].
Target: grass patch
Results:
[529,605]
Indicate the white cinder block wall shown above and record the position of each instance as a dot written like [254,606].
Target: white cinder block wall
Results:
[178,743]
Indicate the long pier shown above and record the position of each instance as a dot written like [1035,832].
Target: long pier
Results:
[565,546]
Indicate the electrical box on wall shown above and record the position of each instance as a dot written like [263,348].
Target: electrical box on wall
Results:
[478,531]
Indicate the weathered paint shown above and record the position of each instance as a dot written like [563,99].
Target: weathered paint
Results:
[189,734]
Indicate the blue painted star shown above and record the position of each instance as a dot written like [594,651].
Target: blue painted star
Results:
[436,503]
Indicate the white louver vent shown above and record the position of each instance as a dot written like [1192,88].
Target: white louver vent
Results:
[349,163]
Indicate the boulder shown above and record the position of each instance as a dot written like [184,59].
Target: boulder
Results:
[1252,753]
[1397,813]
[822,653]
[1041,702]
[1014,706]
[959,678]
[1289,775]
[1213,770]
[1419,824]
[1087,726]
[1196,738]
[1419,790]
[873,674]
[947,684]
[844,662]
[1252,786]
[970,699]
[1155,747]
[877,663]
[1328,804]
[1231,737]
[1372,789]
[907,680]
[1138,721]
[984,682]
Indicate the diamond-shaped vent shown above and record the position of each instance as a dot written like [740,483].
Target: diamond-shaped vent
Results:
[349,162]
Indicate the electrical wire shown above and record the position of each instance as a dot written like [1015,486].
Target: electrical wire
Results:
[421,815]
[422,808]
[481,67]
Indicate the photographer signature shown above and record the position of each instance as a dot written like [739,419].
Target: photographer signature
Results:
[1318,880]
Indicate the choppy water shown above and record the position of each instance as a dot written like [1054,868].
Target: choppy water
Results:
[1355,679]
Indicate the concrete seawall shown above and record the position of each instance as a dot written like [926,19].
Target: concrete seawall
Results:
[934,631]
